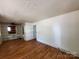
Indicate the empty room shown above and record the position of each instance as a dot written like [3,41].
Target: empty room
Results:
[39,29]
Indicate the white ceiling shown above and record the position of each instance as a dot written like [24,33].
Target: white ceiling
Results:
[34,10]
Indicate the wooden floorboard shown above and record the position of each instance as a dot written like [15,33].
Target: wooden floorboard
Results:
[20,49]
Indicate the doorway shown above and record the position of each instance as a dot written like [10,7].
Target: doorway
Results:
[34,31]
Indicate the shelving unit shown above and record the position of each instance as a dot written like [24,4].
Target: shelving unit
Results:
[13,29]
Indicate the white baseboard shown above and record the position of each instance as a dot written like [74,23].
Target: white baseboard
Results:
[70,52]
[63,50]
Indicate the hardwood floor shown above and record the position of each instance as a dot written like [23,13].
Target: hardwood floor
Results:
[20,49]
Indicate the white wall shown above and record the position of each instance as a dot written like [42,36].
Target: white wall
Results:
[28,31]
[0,35]
[0,29]
[60,31]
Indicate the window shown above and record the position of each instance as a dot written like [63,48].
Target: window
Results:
[9,29]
